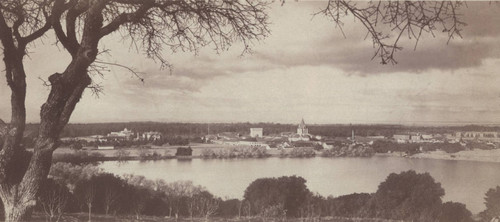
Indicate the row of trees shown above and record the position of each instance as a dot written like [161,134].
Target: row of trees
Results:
[201,129]
[408,196]
[235,152]
[76,188]
[384,146]
[170,140]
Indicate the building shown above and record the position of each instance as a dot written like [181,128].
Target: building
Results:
[401,138]
[151,136]
[301,135]
[298,137]
[253,144]
[302,128]
[256,132]
[124,134]
[106,147]
[480,136]
[228,136]
[416,138]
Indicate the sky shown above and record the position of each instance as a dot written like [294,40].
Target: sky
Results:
[305,69]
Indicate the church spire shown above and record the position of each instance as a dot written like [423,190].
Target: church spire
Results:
[302,129]
[302,124]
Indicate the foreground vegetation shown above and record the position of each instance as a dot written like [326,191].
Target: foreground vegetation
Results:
[85,192]
[235,152]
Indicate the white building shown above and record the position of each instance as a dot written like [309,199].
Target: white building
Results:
[253,144]
[151,135]
[302,128]
[301,135]
[106,147]
[256,132]
[401,138]
[126,133]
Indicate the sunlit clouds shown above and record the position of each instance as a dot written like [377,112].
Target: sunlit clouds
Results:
[304,69]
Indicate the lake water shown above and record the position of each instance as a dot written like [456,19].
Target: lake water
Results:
[463,181]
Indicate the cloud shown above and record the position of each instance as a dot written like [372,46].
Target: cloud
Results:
[353,54]
[482,19]
[306,68]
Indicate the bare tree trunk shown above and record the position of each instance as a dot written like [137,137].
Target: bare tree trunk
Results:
[90,212]
[239,209]
[14,212]
[17,191]
[15,206]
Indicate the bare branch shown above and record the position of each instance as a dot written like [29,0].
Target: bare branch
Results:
[45,83]
[131,70]
[387,21]
[59,8]
[96,89]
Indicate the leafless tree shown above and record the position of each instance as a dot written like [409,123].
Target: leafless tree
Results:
[207,205]
[188,190]
[152,26]
[21,22]
[53,200]
[111,197]
[247,208]
[89,199]
[79,26]
[176,191]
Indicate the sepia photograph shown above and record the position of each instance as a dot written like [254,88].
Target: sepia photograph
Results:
[249,111]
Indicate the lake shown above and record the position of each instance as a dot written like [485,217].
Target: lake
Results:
[463,181]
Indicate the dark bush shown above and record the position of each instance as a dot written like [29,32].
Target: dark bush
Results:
[182,151]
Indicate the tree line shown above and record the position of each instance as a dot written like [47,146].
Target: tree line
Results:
[407,196]
[201,129]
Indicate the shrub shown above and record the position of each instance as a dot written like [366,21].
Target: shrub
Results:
[181,151]
[79,157]
[208,153]
[235,152]
[122,154]
[492,202]
[302,152]
[266,194]
[408,196]
[145,154]
[454,212]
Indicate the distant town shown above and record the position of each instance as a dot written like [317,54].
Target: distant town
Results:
[406,141]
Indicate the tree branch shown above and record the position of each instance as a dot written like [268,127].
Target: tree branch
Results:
[71,18]
[126,17]
[131,70]
[381,19]
[58,9]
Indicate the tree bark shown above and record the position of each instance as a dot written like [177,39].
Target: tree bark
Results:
[14,212]
[19,183]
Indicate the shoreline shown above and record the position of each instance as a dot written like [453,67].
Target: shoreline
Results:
[166,153]
[492,156]
[477,155]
